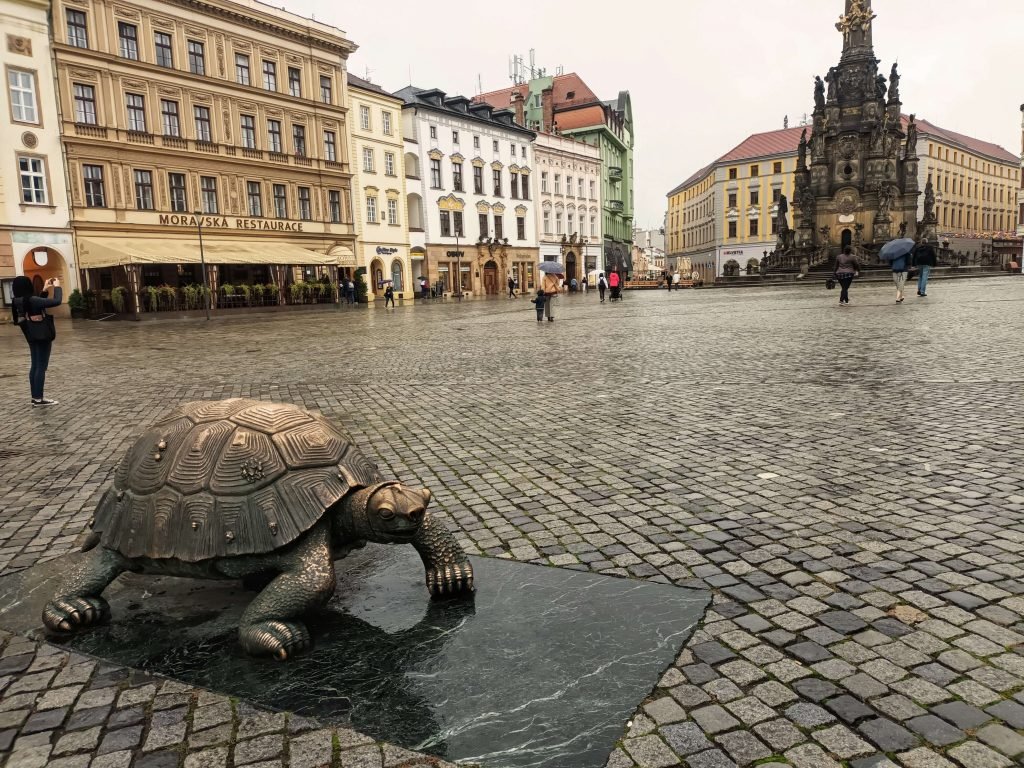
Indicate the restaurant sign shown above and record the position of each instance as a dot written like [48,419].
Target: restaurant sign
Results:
[228,222]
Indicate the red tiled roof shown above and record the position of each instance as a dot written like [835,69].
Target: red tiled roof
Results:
[693,179]
[562,85]
[977,146]
[781,142]
[580,118]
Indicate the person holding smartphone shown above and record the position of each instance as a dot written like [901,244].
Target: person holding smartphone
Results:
[27,307]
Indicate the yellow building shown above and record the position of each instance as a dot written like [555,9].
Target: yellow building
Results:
[724,216]
[382,220]
[208,132]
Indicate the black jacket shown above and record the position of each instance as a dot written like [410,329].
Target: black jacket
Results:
[924,256]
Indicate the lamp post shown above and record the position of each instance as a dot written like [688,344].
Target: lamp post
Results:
[202,260]
[458,266]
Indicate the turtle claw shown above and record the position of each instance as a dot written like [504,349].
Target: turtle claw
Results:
[452,580]
[67,614]
[280,639]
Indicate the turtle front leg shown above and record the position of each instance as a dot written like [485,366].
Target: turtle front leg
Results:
[78,602]
[306,581]
[449,571]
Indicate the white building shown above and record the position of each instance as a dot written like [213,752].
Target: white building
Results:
[569,203]
[469,193]
[35,236]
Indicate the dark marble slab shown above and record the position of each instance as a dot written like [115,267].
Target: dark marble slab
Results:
[543,668]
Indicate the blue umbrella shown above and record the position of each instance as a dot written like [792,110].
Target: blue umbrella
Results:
[895,249]
[551,267]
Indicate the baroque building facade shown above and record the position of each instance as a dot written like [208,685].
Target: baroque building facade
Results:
[469,173]
[379,194]
[213,132]
[35,234]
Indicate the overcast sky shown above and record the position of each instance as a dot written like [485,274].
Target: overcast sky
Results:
[703,74]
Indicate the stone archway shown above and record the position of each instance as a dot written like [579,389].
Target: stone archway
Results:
[847,238]
[377,277]
[570,267]
[42,263]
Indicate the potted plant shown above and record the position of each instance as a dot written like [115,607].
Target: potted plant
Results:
[361,290]
[168,296]
[297,292]
[257,293]
[77,305]
[152,297]
[118,298]
[272,292]
[245,292]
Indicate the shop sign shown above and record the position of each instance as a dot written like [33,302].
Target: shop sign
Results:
[41,238]
[383,251]
[455,254]
[226,222]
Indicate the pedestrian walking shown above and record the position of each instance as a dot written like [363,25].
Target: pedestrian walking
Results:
[668,280]
[847,268]
[900,268]
[924,259]
[550,286]
[539,303]
[389,296]
[424,288]
[602,286]
[29,312]
[350,291]
[584,286]
[511,287]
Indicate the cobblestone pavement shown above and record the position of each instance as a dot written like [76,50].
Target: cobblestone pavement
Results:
[847,481]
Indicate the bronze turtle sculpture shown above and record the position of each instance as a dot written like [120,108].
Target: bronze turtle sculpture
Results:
[244,489]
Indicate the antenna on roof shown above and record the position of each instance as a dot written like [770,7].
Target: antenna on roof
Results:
[785,122]
[479,84]
[804,120]
[367,77]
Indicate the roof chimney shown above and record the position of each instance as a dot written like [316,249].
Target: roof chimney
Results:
[519,106]
[547,103]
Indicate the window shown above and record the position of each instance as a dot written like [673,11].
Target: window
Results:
[129,37]
[754,170]
[385,118]
[579,185]
[568,185]
[570,222]
[371,209]
[364,118]
[497,182]
[593,191]
[202,117]
[255,196]
[196,58]
[521,227]
[524,187]
[777,167]
[476,142]
[732,229]
[280,193]
[775,225]
[33,180]
[169,118]
[593,226]
[295,81]
[92,175]
[299,140]
[330,146]
[457,223]
[455,137]
[776,196]
[558,223]
[248,129]
[242,69]
[78,34]
[178,193]
[274,135]
[435,174]
[269,75]
[547,222]
[478,180]
[754,227]
[22,86]
[143,190]
[755,197]
[85,104]
[433,131]
[544,182]
[368,160]
[136,106]
[305,206]
[484,224]
[499,226]
[732,199]
[513,185]
[389,164]
[208,193]
[733,173]
[164,54]
[334,203]
[495,145]
[326,90]
[392,212]
[558,184]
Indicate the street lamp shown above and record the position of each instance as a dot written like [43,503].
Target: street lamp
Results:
[458,266]
[202,260]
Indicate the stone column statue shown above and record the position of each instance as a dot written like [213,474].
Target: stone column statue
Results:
[801,161]
[894,85]
[832,78]
[819,94]
[929,201]
[880,87]
[911,137]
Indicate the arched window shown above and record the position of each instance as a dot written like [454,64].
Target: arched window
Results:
[396,275]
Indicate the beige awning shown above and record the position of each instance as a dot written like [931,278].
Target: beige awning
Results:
[343,256]
[119,251]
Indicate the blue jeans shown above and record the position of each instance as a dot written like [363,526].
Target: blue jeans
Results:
[922,280]
[40,351]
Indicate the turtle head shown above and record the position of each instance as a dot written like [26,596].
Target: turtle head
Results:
[387,513]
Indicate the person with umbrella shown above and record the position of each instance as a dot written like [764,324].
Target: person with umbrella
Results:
[551,285]
[898,253]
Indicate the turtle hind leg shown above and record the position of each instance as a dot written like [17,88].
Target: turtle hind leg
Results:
[306,581]
[449,573]
[78,602]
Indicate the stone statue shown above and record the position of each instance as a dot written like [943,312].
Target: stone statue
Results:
[572,239]
[801,160]
[877,132]
[884,200]
[880,87]
[929,201]
[819,93]
[858,235]
[807,204]
[903,229]
[244,489]
[845,25]
[783,213]
[894,85]
[832,78]
[911,137]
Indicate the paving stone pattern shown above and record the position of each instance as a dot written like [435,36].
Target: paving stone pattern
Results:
[847,481]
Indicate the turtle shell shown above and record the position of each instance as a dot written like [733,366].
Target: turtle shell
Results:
[227,478]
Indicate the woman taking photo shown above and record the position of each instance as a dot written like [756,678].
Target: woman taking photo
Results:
[29,311]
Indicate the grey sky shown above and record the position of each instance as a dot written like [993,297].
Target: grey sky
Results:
[703,74]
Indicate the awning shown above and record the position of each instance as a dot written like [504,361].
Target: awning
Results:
[117,251]
[343,255]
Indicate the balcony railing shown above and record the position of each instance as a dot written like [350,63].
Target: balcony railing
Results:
[278,157]
[208,146]
[174,142]
[614,172]
[616,205]
[140,137]
[303,160]
[96,131]
[334,165]
[252,154]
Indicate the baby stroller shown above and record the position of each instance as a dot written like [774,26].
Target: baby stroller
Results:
[614,287]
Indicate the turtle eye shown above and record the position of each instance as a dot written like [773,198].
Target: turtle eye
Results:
[385,511]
